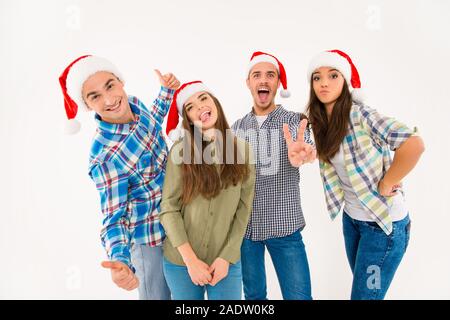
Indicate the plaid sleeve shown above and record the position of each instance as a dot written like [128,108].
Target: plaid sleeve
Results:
[112,186]
[388,130]
[161,105]
[295,123]
[234,127]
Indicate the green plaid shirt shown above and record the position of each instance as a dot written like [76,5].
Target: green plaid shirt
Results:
[367,157]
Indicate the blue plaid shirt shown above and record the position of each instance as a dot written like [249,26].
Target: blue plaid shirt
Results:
[127,164]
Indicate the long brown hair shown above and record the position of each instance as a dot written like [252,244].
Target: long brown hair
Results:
[329,133]
[204,178]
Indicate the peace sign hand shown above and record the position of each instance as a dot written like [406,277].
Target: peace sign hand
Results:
[299,152]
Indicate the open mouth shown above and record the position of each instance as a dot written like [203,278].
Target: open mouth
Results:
[263,94]
[205,116]
[115,107]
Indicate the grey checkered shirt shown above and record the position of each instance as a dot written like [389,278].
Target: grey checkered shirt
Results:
[277,210]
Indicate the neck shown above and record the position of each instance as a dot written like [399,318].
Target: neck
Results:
[264,111]
[210,133]
[329,108]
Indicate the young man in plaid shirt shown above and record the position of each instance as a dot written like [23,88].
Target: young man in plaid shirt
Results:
[127,164]
[277,218]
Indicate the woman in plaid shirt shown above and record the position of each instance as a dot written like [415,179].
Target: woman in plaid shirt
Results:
[353,145]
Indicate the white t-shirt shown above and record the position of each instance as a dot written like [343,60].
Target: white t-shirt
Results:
[353,207]
[260,120]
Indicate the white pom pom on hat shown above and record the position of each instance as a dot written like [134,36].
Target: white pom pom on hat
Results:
[343,63]
[259,56]
[72,80]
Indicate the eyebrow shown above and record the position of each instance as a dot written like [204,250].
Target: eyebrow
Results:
[108,82]
[317,72]
[95,92]
[199,97]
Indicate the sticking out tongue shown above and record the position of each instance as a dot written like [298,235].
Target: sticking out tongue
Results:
[205,116]
[263,96]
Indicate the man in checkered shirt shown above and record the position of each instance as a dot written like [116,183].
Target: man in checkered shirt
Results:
[277,218]
[127,164]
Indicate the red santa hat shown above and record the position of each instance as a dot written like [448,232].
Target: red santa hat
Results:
[183,93]
[341,62]
[72,80]
[259,56]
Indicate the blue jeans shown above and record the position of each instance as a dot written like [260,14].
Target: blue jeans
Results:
[148,263]
[182,287]
[373,255]
[291,265]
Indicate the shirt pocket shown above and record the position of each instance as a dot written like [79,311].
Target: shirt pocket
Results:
[152,161]
[146,166]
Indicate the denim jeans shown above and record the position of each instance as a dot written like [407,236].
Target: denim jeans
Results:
[291,265]
[182,287]
[373,255]
[148,264]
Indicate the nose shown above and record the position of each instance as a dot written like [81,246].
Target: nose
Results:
[324,83]
[108,100]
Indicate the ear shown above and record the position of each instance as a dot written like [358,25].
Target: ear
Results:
[279,83]
[87,106]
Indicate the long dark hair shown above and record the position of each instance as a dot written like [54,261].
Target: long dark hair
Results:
[204,178]
[329,133]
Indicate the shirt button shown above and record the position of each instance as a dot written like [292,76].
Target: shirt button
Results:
[211,213]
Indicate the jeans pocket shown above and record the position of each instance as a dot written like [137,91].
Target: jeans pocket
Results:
[373,226]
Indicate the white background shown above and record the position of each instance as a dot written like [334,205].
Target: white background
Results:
[50,217]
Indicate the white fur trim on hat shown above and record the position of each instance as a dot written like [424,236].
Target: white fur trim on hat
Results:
[176,134]
[332,60]
[262,58]
[187,92]
[81,71]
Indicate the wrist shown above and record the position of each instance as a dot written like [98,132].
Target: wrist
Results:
[386,181]
[189,259]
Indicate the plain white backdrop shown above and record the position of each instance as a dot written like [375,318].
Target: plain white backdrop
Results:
[50,212]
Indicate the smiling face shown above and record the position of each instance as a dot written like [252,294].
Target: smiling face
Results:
[263,82]
[327,84]
[201,110]
[103,92]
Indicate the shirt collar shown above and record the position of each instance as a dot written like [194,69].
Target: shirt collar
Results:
[119,128]
[278,107]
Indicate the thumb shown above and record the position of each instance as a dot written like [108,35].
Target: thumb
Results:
[160,76]
[112,265]
[212,268]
